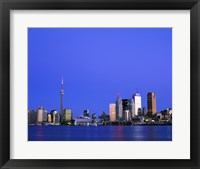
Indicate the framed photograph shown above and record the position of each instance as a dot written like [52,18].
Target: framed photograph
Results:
[99,84]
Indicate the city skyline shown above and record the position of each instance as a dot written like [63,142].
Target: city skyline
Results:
[132,104]
[44,86]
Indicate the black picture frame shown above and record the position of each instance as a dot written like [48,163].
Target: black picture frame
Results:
[7,5]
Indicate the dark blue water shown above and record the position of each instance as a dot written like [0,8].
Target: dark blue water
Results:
[100,133]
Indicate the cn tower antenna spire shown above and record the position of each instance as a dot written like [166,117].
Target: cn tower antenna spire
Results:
[62,84]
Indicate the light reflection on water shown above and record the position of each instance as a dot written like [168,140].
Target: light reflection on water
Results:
[100,133]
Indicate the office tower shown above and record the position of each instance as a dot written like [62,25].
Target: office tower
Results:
[67,113]
[86,113]
[49,119]
[32,117]
[132,108]
[53,116]
[125,106]
[112,111]
[127,115]
[151,102]
[61,97]
[138,103]
[119,108]
[40,114]
[45,112]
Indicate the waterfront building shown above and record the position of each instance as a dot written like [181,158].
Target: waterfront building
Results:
[86,113]
[41,115]
[67,114]
[132,108]
[160,116]
[49,119]
[103,117]
[167,113]
[125,104]
[45,115]
[138,103]
[170,111]
[107,118]
[57,118]
[94,116]
[127,115]
[164,112]
[119,108]
[125,107]
[151,102]
[53,116]
[112,111]
[61,97]
[32,117]
[83,121]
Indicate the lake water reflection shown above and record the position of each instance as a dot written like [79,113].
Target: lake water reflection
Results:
[100,133]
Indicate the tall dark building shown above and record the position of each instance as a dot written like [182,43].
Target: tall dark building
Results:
[32,116]
[125,104]
[61,97]
[125,108]
[151,102]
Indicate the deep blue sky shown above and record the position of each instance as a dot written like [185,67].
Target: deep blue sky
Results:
[97,64]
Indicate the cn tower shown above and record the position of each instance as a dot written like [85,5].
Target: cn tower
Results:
[61,97]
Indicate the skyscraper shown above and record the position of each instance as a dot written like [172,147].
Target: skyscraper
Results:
[53,115]
[41,114]
[138,103]
[67,114]
[32,116]
[119,108]
[112,111]
[49,119]
[61,97]
[132,107]
[151,102]
[45,112]
[127,115]
[125,105]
